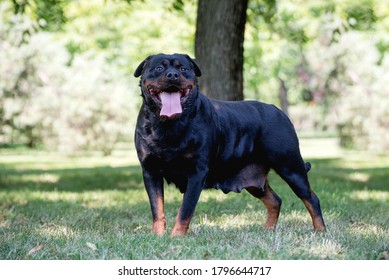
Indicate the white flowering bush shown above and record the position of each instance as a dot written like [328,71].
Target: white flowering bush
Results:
[67,105]
[350,72]
[99,108]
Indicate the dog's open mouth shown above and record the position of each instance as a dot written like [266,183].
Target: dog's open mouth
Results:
[171,98]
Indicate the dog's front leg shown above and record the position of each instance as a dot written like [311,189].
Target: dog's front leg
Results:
[154,186]
[191,197]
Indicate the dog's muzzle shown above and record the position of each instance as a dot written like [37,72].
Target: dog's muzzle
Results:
[170,98]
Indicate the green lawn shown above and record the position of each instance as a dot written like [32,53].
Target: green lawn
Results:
[55,207]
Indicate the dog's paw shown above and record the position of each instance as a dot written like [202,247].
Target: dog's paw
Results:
[179,230]
[159,227]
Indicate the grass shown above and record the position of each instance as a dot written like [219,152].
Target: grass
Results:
[55,207]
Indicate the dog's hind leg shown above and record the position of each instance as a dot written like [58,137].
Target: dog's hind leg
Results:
[296,176]
[272,203]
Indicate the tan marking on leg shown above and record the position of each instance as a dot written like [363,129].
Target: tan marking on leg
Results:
[272,203]
[180,227]
[272,206]
[273,211]
[318,223]
[159,224]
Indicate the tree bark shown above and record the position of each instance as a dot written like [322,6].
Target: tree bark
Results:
[283,96]
[219,47]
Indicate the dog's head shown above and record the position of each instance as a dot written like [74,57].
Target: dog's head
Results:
[168,83]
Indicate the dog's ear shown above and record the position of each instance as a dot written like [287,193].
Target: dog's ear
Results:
[139,69]
[196,68]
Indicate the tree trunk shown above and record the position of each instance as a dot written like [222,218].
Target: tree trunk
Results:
[283,96]
[219,47]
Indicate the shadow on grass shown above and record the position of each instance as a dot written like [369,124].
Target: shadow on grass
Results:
[329,179]
[371,178]
[124,177]
[72,180]
[120,218]
[70,230]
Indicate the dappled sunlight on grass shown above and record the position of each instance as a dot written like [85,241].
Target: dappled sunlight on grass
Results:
[231,221]
[43,160]
[53,196]
[366,195]
[91,208]
[4,223]
[91,199]
[39,178]
[359,177]
[211,195]
[53,230]
[296,218]
[326,249]
[328,148]
[365,230]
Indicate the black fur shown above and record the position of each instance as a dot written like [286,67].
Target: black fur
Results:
[212,144]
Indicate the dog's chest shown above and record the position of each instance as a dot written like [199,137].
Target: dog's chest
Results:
[168,150]
[177,167]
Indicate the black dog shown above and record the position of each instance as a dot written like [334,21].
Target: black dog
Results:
[196,143]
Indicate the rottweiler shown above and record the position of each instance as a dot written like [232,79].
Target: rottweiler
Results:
[196,142]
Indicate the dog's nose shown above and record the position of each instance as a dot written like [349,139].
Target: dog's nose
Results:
[172,75]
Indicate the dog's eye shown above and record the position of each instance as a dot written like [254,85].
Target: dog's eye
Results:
[159,68]
[183,69]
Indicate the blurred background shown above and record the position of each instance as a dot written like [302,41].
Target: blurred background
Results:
[66,67]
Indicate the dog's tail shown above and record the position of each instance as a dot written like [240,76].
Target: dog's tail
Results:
[308,166]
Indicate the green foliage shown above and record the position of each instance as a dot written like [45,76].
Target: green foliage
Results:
[74,90]
[49,13]
[67,107]
[331,56]
[361,14]
[350,83]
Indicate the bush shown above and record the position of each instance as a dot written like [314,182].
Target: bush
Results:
[356,90]
[97,110]
[46,100]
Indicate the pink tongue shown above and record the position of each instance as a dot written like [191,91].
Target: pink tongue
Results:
[171,104]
